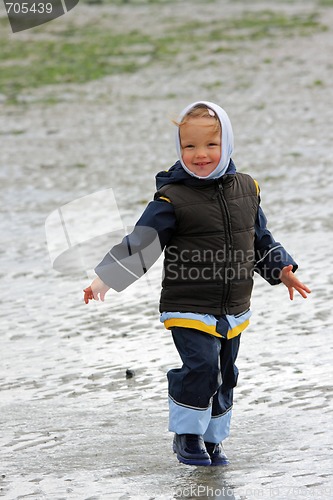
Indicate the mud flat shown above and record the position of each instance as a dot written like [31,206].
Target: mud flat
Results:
[73,426]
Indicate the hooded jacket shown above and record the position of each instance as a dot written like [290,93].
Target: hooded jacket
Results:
[209,260]
[159,223]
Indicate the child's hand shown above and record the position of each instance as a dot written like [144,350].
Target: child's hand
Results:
[289,279]
[96,287]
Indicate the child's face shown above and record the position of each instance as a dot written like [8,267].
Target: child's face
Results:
[200,145]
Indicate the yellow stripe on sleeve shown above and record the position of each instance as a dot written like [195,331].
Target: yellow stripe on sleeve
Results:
[257,187]
[165,199]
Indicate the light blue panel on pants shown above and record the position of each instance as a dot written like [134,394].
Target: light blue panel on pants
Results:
[186,420]
[218,428]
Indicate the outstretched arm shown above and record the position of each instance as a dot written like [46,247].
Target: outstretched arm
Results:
[274,263]
[138,251]
[271,256]
[289,279]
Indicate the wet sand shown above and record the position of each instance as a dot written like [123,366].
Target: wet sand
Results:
[73,426]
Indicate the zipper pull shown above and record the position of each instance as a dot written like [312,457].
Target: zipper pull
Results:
[219,190]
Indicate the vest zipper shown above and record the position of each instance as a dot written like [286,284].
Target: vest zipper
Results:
[229,242]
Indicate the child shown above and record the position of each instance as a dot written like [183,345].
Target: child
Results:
[214,235]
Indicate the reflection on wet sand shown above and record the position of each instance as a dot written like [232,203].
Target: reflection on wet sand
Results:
[74,426]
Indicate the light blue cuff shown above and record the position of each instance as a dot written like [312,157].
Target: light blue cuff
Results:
[188,420]
[218,428]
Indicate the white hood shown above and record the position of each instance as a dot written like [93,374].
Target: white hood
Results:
[227,140]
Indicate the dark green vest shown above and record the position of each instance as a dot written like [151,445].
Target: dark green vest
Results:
[209,260]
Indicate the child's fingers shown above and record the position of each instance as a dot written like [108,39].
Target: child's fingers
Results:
[88,294]
[291,293]
[301,288]
[302,291]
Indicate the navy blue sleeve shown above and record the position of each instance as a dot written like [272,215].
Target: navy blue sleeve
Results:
[159,215]
[271,256]
[139,250]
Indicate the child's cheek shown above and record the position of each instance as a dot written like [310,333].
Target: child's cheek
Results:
[185,158]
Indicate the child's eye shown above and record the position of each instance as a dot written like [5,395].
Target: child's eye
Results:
[189,146]
[213,144]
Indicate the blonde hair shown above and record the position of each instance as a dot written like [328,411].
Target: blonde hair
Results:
[199,111]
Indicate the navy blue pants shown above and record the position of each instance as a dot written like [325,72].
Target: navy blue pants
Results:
[201,391]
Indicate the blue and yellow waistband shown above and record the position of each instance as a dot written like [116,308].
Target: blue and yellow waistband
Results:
[232,325]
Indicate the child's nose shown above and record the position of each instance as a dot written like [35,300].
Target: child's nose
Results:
[201,152]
